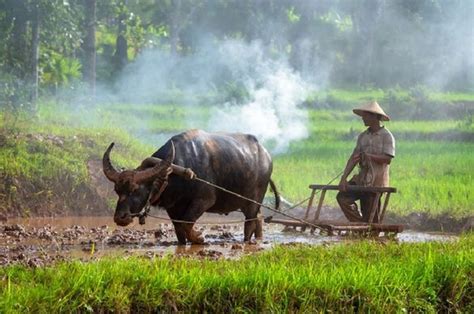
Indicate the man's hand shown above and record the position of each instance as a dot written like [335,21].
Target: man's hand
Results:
[380,159]
[343,185]
[355,158]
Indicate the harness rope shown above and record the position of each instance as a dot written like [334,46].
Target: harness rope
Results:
[369,168]
[145,211]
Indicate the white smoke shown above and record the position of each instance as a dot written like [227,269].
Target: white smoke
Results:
[272,113]
[268,98]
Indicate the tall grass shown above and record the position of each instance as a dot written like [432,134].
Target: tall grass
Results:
[362,276]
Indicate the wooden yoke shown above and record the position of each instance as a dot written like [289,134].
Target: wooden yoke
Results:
[379,191]
[347,228]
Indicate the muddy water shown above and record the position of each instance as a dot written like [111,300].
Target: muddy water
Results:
[41,241]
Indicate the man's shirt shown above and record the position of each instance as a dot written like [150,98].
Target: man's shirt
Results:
[371,173]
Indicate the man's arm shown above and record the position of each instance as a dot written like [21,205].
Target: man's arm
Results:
[380,159]
[351,163]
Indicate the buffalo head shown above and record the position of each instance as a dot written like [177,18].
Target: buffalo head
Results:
[134,187]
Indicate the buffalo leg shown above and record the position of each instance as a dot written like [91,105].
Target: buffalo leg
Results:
[180,231]
[193,212]
[185,231]
[253,227]
[259,228]
[254,224]
[192,235]
[249,230]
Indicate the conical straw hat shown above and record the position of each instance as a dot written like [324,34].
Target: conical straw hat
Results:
[372,107]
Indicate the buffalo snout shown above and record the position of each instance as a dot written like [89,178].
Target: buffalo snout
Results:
[123,219]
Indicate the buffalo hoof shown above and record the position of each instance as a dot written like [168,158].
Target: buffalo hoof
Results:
[194,236]
[196,239]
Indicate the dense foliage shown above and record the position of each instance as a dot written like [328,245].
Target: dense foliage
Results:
[49,45]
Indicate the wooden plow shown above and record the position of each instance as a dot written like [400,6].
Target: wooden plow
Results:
[332,227]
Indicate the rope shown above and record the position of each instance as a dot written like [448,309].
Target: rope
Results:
[370,172]
[205,223]
[145,211]
[307,199]
[255,202]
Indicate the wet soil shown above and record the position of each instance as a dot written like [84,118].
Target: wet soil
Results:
[415,221]
[425,222]
[39,242]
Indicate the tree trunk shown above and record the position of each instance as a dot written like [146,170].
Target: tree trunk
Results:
[17,56]
[365,16]
[121,45]
[89,46]
[35,42]
[175,26]
[16,15]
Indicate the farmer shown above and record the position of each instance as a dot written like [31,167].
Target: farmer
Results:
[373,153]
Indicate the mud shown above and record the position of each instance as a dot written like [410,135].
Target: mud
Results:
[422,222]
[40,242]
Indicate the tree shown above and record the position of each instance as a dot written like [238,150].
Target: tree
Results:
[35,43]
[89,45]
[121,45]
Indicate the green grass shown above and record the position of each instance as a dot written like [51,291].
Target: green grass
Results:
[432,175]
[358,276]
[31,158]
[452,96]
[47,148]
[359,96]
[348,96]
[155,119]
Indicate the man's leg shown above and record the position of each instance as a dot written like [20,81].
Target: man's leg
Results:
[348,205]
[366,204]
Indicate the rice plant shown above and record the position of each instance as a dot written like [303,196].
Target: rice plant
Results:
[349,277]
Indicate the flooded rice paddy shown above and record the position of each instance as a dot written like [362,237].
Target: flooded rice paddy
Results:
[40,242]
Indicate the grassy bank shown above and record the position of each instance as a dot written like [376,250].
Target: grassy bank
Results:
[46,169]
[361,276]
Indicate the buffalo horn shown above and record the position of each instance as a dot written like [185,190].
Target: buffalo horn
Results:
[151,173]
[153,161]
[110,172]
[171,155]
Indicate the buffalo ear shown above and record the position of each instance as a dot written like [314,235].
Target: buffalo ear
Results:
[149,162]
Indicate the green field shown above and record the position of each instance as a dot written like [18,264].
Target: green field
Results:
[357,276]
[433,176]
[432,169]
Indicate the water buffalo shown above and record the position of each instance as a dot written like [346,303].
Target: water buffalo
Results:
[236,162]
